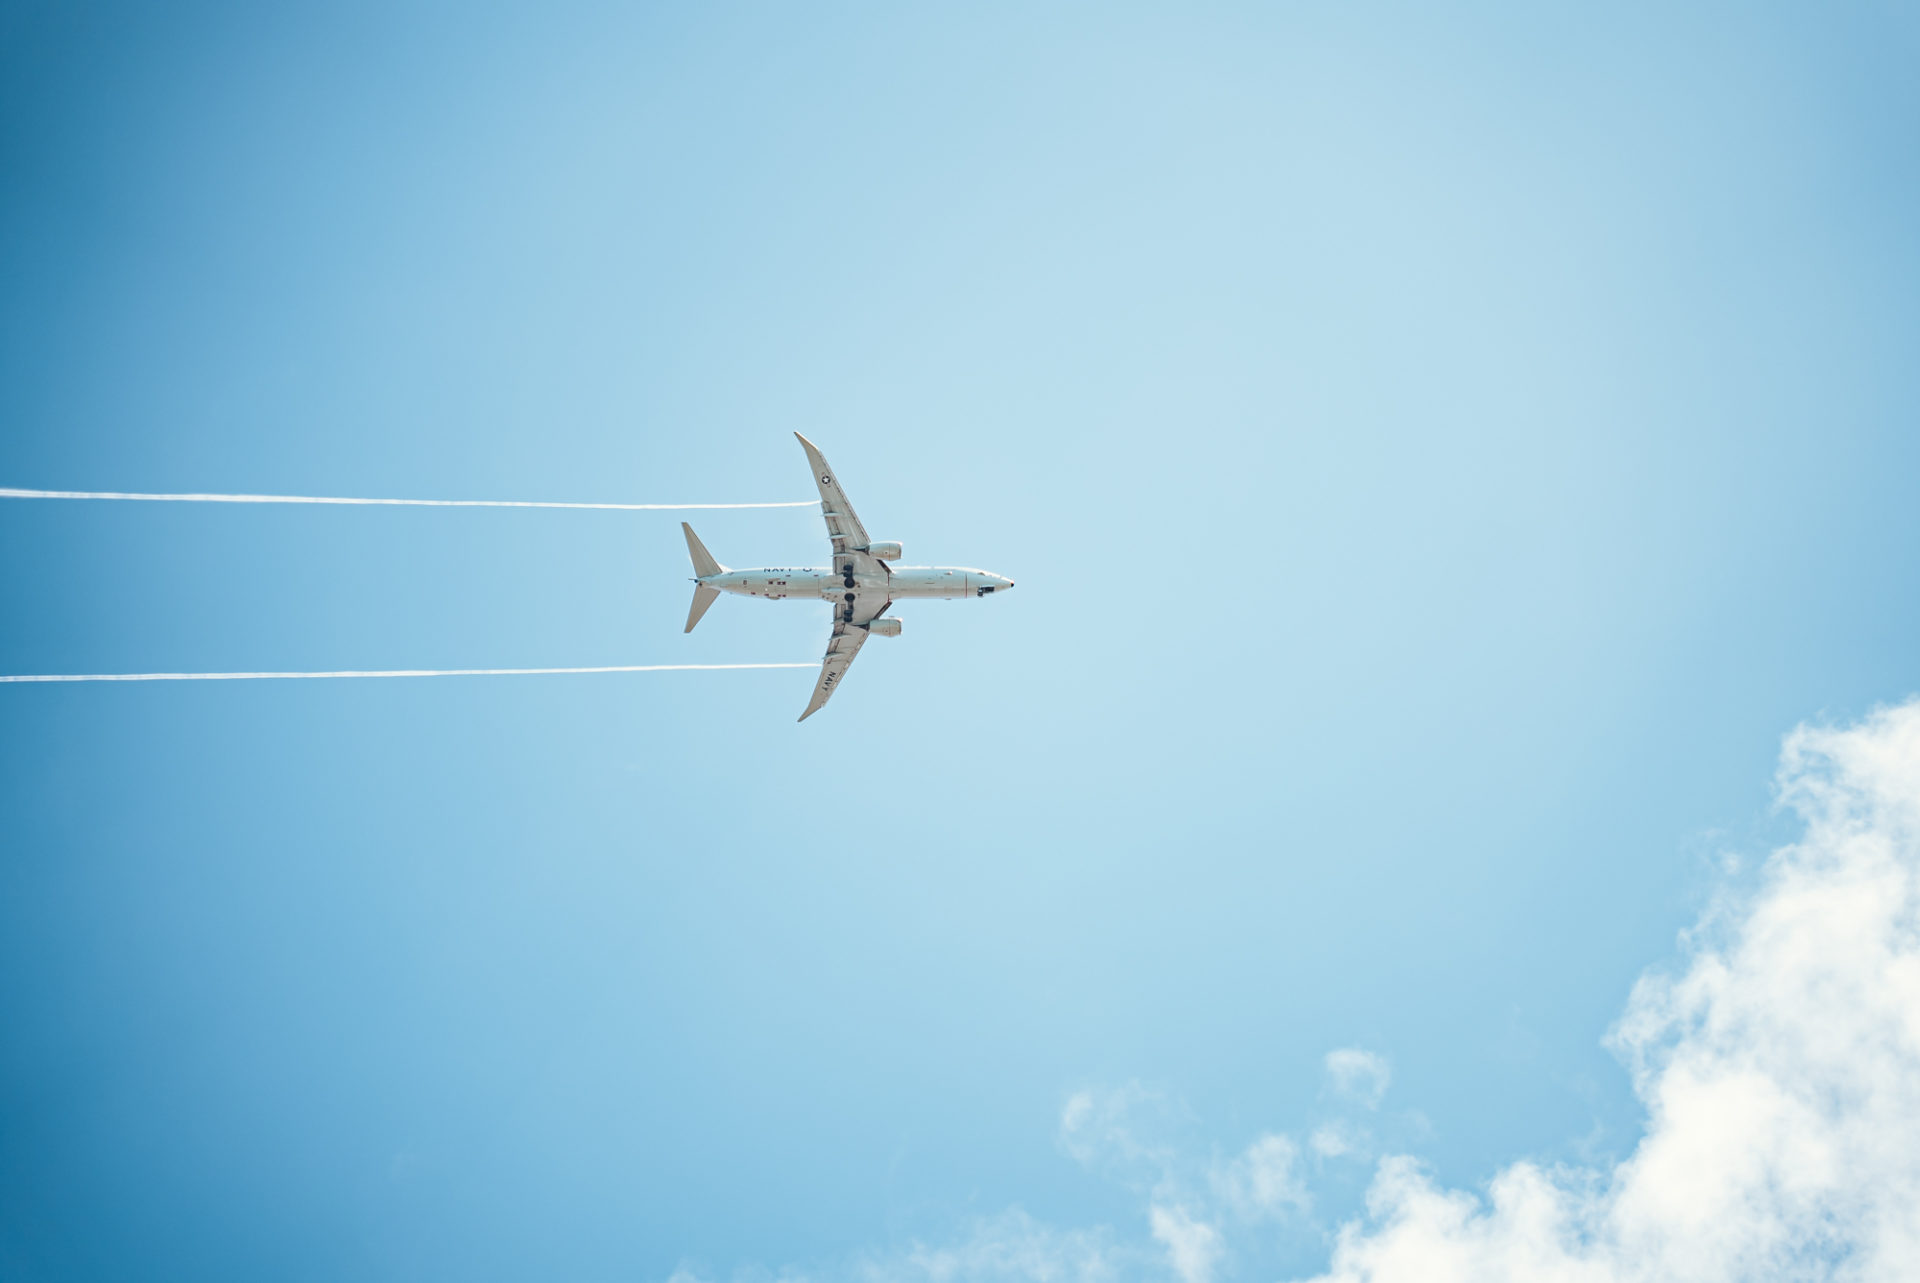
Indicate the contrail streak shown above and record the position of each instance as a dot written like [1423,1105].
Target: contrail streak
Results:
[397,672]
[6,493]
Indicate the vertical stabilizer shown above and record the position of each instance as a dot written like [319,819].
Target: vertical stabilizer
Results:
[703,562]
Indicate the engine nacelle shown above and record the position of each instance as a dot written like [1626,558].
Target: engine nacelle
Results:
[884,627]
[884,551]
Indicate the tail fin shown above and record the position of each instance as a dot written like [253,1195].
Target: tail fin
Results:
[703,597]
[703,565]
[703,562]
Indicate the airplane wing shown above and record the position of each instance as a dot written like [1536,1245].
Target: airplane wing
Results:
[843,527]
[845,643]
[866,598]
[850,633]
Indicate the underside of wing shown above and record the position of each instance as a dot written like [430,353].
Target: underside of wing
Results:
[843,527]
[845,643]
[866,597]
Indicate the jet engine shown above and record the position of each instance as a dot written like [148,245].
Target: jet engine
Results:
[884,627]
[884,551]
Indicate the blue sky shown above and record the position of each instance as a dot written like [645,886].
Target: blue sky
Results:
[1440,455]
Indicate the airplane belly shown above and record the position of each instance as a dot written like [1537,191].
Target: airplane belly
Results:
[775,584]
[928,582]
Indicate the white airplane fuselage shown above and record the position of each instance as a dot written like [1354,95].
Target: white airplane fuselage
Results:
[897,583]
[862,583]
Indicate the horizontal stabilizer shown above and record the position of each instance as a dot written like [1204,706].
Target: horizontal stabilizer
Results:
[703,562]
[703,597]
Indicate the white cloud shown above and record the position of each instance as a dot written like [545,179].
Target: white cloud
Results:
[1009,1248]
[1123,1132]
[1333,1140]
[1263,1181]
[1193,1246]
[1359,1074]
[1779,1066]
[746,1274]
[1012,1247]
[1780,1069]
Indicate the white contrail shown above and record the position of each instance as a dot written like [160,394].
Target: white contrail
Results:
[6,493]
[397,672]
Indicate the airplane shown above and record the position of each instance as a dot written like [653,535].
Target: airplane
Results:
[861,583]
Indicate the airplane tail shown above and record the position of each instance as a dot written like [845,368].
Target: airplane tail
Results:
[703,562]
[704,595]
